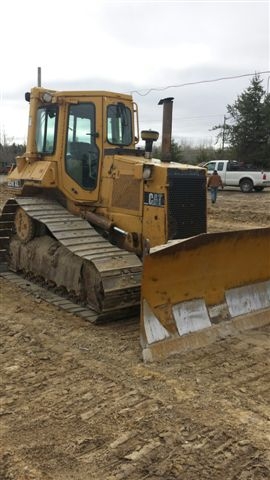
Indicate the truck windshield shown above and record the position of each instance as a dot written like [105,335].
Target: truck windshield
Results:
[211,166]
[119,124]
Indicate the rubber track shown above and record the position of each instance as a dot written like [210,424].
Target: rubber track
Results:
[120,271]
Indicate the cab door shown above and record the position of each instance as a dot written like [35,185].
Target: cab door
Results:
[82,149]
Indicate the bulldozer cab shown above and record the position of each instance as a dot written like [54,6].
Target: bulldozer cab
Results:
[68,135]
[86,137]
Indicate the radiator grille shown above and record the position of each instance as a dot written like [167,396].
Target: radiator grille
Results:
[186,203]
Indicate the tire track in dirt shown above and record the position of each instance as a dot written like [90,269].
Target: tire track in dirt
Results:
[81,410]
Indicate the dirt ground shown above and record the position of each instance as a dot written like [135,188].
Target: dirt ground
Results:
[78,403]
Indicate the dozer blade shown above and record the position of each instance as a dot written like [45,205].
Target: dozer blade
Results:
[204,288]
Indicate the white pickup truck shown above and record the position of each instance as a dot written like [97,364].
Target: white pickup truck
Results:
[235,174]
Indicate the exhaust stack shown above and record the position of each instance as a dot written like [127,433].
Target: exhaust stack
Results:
[166,128]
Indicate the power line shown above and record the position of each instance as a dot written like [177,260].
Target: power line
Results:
[200,116]
[160,89]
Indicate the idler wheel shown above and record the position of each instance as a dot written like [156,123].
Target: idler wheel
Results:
[25,226]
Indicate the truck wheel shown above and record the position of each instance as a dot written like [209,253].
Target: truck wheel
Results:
[258,189]
[246,185]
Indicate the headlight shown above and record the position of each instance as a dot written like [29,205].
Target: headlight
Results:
[47,97]
[147,172]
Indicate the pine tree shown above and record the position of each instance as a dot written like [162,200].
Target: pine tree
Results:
[248,133]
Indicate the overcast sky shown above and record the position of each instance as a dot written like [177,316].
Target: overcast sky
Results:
[135,46]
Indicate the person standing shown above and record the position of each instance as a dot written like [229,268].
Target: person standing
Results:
[214,181]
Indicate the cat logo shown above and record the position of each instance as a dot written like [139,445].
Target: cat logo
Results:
[154,199]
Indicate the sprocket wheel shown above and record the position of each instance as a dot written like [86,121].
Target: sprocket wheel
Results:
[25,226]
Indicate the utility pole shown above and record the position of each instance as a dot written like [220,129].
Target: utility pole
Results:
[223,132]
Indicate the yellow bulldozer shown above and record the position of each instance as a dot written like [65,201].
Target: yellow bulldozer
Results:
[97,217]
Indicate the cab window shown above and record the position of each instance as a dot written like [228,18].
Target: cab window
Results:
[46,129]
[119,124]
[82,154]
